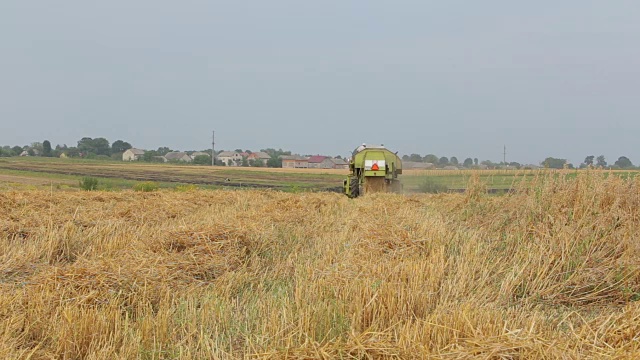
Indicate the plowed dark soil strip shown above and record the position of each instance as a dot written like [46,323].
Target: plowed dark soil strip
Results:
[262,180]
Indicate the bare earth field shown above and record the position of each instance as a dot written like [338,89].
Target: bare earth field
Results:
[29,180]
[283,179]
[551,271]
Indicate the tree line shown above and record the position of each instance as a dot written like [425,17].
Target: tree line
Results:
[87,148]
[469,163]
[101,149]
[623,162]
[590,161]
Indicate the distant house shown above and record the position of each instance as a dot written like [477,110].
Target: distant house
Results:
[294,162]
[334,163]
[259,156]
[315,162]
[24,153]
[178,156]
[199,153]
[230,158]
[132,155]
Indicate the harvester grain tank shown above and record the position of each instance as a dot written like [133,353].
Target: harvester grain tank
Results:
[373,169]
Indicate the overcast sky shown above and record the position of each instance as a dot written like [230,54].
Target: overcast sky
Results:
[453,78]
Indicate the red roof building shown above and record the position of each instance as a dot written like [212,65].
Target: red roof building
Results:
[315,161]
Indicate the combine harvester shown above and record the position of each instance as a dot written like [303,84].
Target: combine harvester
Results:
[373,169]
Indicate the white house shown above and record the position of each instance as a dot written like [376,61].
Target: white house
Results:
[230,158]
[132,154]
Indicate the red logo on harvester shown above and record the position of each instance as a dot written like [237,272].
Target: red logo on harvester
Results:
[375,167]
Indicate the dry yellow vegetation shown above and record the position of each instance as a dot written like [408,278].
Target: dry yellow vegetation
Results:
[551,271]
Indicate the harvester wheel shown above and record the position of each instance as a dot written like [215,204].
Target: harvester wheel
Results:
[354,186]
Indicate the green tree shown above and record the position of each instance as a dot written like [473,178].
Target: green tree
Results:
[202,160]
[102,146]
[415,157]
[553,163]
[468,162]
[120,146]
[97,146]
[453,160]
[443,161]
[245,161]
[430,158]
[46,148]
[149,156]
[589,160]
[17,150]
[162,151]
[274,162]
[73,152]
[601,162]
[490,164]
[623,162]
[85,145]
[475,161]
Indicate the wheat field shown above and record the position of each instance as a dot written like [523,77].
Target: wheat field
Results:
[550,271]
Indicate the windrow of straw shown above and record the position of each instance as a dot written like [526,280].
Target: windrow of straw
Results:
[549,271]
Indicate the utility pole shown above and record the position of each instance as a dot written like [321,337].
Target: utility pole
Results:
[213,147]
[504,156]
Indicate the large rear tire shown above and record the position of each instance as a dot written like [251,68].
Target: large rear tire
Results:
[355,187]
[352,187]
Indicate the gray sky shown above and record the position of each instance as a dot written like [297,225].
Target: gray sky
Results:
[454,78]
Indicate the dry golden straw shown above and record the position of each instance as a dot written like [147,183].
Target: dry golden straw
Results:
[550,271]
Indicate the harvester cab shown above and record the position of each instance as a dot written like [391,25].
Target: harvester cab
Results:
[373,169]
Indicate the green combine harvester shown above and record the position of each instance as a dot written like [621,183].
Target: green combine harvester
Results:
[373,169]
